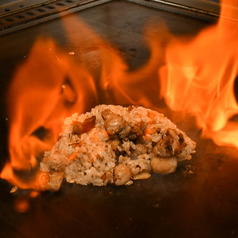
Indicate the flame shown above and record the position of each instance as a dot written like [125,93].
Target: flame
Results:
[194,76]
[46,88]
[118,84]
[199,77]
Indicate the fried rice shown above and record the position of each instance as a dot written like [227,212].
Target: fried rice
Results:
[114,145]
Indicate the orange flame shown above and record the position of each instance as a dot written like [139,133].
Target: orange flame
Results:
[46,88]
[199,78]
[192,76]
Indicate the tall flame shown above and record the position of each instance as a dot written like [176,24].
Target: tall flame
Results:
[199,77]
[46,88]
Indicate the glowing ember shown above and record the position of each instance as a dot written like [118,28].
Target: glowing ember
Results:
[21,205]
[197,77]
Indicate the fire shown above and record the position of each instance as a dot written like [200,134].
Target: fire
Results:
[47,88]
[193,76]
[199,77]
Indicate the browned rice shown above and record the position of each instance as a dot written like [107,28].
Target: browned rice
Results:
[92,157]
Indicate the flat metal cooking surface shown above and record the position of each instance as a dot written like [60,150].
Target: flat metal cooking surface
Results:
[202,204]
[37,13]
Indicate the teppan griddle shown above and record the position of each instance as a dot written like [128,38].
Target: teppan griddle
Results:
[201,204]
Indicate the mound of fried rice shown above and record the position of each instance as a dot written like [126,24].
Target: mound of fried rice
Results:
[116,145]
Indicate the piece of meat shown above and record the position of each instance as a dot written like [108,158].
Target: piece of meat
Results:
[170,145]
[79,128]
[163,165]
[121,175]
